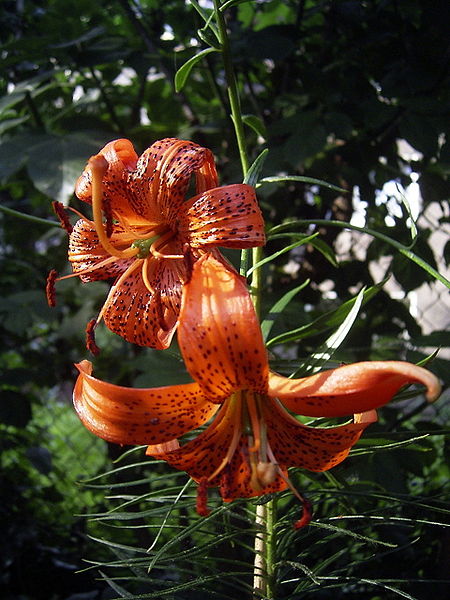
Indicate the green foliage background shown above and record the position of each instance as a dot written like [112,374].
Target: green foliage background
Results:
[329,88]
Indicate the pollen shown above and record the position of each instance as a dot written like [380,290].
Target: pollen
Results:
[90,338]
[50,288]
[60,212]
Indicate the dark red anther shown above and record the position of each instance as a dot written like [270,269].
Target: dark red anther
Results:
[307,514]
[50,288]
[60,212]
[90,337]
[202,498]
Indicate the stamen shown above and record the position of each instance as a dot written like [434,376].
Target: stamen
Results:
[50,288]
[90,337]
[87,270]
[235,424]
[148,270]
[161,242]
[255,422]
[225,482]
[202,498]
[99,166]
[307,512]
[60,212]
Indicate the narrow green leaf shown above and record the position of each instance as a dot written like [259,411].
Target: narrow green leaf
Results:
[256,124]
[231,3]
[299,242]
[352,534]
[117,588]
[326,350]
[318,244]
[252,175]
[278,308]
[183,72]
[303,179]
[376,234]
[325,321]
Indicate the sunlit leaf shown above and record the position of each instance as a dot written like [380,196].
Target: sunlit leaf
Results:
[183,72]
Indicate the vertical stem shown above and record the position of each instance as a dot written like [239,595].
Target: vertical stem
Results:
[264,545]
[233,93]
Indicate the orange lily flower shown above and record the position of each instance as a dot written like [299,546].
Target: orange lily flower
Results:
[146,234]
[253,435]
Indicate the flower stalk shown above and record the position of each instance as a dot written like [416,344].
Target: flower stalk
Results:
[264,544]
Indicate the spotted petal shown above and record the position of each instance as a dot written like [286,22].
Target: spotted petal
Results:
[140,316]
[162,176]
[219,333]
[205,455]
[227,216]
[311,448]
[88,257]
[350,389]
[138,416]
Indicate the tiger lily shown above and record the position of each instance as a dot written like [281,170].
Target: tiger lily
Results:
[145,233]
[252,436]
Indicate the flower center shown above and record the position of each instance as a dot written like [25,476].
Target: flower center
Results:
[243,413]
[142,248]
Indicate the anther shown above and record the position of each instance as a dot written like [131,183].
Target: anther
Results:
[90,337]
[307,514]
[202,498]
[60,212]
[50,288]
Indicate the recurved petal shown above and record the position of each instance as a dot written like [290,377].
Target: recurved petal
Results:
[311,448]
[350,389]
[88,257]
[138,416]
[219,333]
[226,216]
[205,455]
[140,316]
[162,176]
[202,456]
[122,159]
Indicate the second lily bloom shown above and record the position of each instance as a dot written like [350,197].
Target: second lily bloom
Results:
[252,435]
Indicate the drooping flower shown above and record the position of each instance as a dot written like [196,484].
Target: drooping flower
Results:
[145,232]
[253,436]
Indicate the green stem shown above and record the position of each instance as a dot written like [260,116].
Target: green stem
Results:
[33,219]
[233,93]
[264,544]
